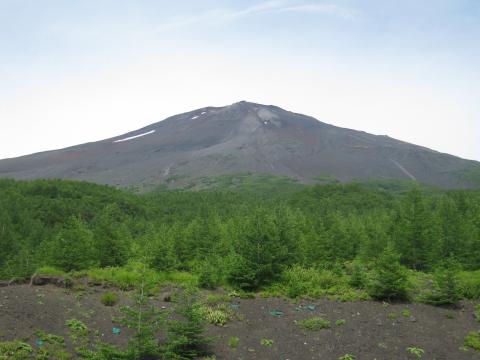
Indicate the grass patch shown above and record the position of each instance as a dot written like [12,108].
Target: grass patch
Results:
[214,299]
[233,342]
[469,284]
[49,338]
[300,282]
[15,350]
[129,276]
[472,340]
[109,299]
[313,324]
[50,271]
[476,312]
[77,327]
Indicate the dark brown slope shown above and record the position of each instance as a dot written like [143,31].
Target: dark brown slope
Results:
[243,137]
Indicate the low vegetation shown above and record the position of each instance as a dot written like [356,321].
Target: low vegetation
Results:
[109,299]
[472,340]
[313,324]
[344,242]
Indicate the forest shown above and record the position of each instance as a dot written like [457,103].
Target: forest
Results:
[307,240]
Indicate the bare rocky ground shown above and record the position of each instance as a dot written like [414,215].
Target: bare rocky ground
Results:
[370,331]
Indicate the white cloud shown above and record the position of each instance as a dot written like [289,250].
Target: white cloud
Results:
[267,7]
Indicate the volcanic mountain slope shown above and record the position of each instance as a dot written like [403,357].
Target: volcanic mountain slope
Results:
[243,137]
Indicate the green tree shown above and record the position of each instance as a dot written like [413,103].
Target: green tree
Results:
[446,289]
[159,248]
[73,247]
[145,320]
[390,281]
[112,237]
[185,339]
[260,254]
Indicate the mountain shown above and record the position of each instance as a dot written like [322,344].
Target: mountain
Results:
[240,138]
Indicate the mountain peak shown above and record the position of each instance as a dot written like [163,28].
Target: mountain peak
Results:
[239,138]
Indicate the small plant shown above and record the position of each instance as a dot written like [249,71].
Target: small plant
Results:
[109,299]
[472,340]
[77,327]
[15,350]
[418,352]
[314,324]
[49,338]
[476,312]
[218,315]
[340,322]
[347,357]
[266,342]
[450,315]
[233,342]
[406,313]
[392,316]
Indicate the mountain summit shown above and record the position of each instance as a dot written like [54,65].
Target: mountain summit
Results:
[243,137]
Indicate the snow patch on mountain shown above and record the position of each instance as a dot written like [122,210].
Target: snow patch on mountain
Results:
[134,137]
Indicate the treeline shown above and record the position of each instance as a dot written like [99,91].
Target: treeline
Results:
[244,238]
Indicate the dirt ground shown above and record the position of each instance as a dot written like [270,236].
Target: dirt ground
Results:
[371,330]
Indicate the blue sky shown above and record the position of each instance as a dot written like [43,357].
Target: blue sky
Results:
[78,71]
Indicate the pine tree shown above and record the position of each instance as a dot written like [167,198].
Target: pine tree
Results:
[445,284]
[260,254]
[390,281]
[145,320]
[185,339]
[73,247]
[111,237]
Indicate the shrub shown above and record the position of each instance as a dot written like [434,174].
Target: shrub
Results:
[299,281]
[218,315]
[109,299]
[472,340]
[469,284]
[340,322]
[313,324]
[390,279]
